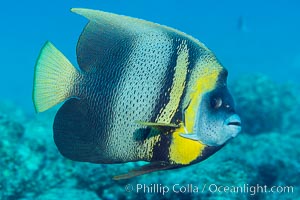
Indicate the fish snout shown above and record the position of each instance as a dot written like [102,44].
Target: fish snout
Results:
[233,124]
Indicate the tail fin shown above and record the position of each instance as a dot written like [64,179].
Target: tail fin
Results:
[54,78]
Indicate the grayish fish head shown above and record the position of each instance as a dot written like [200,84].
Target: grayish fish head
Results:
[217,121]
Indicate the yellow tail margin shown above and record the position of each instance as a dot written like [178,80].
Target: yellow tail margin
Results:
[54,78]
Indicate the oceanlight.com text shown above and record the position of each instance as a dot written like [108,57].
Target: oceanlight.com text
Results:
[250,189]
[206,188]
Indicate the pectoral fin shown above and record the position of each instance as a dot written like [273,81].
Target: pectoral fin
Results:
[191,136]
[152,167]
[163,127]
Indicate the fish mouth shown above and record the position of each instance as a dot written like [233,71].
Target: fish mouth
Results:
[233,120]
[237,123]
[233,125]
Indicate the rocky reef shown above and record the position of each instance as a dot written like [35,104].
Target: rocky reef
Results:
[265,105]
[264,155]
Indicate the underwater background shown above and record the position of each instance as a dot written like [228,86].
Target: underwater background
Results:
[257,41]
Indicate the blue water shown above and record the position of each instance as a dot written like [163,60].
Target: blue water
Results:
[248,37]
[268,42]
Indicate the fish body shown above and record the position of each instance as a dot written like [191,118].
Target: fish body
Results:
[142,92]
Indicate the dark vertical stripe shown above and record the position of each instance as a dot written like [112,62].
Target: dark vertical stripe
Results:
[166,84]
[100,87]
[194,53]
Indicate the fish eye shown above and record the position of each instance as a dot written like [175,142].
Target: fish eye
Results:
[216,102]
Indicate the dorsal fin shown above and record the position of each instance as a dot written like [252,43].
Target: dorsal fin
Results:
[108,38]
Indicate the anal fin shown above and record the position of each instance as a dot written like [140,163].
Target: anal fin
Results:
[74,135]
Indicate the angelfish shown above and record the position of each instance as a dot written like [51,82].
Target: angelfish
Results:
[142,92]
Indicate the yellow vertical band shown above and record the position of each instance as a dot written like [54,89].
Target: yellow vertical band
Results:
[178,85]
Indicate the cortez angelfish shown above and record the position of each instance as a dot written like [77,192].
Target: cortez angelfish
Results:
[142,92]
